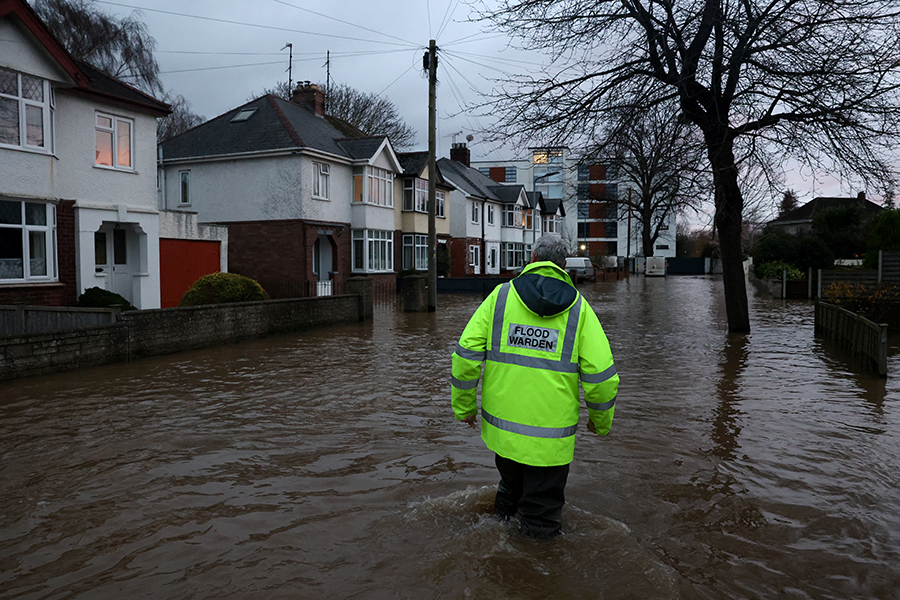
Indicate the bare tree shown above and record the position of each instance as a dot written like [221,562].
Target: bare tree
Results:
[816,81]
[371,113]
[121,47]
[178,121]
[660,161]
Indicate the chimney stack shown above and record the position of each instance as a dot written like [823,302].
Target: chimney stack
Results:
[311,96]
[460,153]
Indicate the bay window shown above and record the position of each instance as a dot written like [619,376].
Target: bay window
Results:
[114,143]
[25,111]
[512,255]
[440,198]
[372,251]
[512,216]
[415,252]
[415,195]
[27,241]
[379,186]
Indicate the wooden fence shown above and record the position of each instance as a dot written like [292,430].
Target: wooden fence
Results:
[21,319]
[866,341]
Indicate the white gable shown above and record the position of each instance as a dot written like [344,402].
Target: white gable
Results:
[19,51]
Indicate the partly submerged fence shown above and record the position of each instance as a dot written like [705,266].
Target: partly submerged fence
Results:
[866,341]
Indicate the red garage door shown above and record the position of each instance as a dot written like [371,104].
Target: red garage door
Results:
[181,263]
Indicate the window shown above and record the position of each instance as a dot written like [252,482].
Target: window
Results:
[25,111]
[27,241]
[486,171]
[243,115]
[512,216]
[440,198]
[415,252]
[529,219]
[114,142]
[662,246]
[475,212]
[510,175]
[490,215]
[584,210]
[372,251]
[551,224]
[512,255]
[321,183]
[474,256]
[415,194]
[584,230]
[545,157]
[379,186]
[185,177]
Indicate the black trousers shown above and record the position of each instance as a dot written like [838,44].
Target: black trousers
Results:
[536,493]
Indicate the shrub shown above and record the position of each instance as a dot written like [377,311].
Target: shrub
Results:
[99,298]
[802,251]
[885,236]
[774,269]
[219,288]
[875,301]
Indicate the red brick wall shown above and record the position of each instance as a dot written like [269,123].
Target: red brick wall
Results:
[498,174]
[278,254]
[63,292]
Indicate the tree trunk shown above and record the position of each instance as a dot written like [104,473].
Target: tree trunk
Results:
[729,206]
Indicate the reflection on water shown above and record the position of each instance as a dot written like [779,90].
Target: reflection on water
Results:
[327,464]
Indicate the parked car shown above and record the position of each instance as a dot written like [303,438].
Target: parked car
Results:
[581,265]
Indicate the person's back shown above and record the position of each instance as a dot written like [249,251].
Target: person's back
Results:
[536,337]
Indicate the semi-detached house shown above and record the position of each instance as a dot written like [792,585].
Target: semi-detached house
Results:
[77,174]
[487,219]
[309,200]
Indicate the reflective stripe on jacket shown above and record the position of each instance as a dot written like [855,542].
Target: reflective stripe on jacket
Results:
[532,366]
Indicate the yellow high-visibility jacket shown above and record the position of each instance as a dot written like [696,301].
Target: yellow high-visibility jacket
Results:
[536,337]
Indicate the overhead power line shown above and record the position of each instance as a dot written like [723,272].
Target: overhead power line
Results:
[257,25]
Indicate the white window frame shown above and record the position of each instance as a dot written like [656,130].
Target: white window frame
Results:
[113,129]
[490,214]
[184,188]
[475,212]
[28,232]
[415,194]
[474,256]
[372,251]
[415,252]
[379,187]
[550,224]
[23,104]
[512,255]
[321,181]
[440,200]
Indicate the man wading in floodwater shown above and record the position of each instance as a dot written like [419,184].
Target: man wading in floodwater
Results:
[536,337]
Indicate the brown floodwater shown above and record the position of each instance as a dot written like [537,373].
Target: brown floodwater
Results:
[327,464]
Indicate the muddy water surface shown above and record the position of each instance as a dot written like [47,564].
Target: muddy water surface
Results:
[327,465]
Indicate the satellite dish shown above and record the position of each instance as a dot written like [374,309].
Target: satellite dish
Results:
[470,137]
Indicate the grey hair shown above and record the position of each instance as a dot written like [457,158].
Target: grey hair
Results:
[551,247]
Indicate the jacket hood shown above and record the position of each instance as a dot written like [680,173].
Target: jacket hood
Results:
[545,289]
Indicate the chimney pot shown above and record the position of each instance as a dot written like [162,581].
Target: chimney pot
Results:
[460,153]
[311,96]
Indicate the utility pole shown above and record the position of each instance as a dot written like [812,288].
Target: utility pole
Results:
[431,62]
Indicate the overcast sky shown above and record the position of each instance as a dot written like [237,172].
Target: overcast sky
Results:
[218,53]
[375,47]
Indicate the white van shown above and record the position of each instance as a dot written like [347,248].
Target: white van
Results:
[655,266]
[584,270]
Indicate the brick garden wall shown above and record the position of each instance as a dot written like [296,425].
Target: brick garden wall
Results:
[168,330]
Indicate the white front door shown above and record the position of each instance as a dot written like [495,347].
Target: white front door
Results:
[112,258]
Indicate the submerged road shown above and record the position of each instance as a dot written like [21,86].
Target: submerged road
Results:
[327,464]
